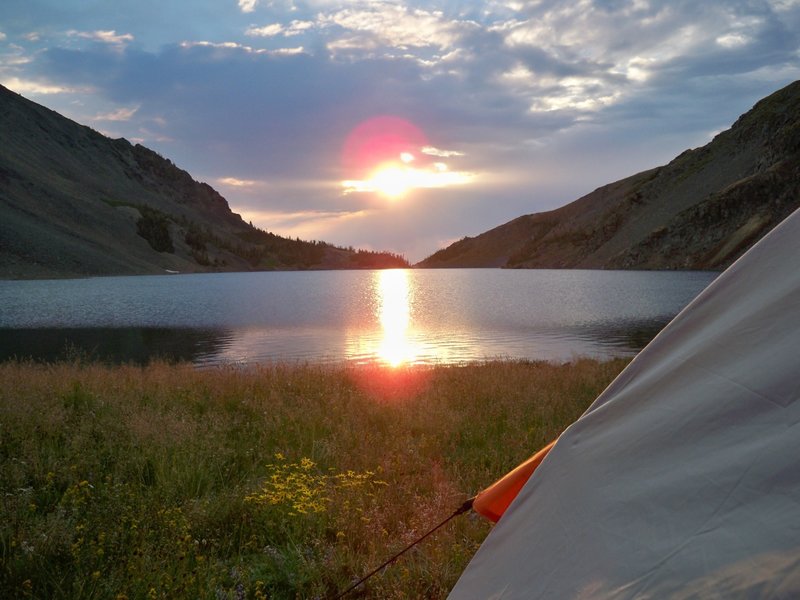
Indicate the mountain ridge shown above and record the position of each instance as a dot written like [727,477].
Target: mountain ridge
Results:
[76,203]
[700,211]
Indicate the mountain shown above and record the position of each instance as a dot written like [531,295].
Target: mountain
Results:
[701,211]
[76,203]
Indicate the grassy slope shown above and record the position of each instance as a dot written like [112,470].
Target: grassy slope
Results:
[130,482]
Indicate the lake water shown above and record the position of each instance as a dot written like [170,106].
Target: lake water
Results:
[391,317]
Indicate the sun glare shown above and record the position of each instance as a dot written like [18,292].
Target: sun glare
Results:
[395,317]
[394,180]
[392,335]
[391,181]
[392,157]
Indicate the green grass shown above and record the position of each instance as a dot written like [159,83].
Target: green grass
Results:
[269,482]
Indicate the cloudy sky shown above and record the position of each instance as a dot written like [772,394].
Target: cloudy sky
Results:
[402,125]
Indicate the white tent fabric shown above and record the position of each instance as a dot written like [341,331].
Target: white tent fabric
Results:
[682,480]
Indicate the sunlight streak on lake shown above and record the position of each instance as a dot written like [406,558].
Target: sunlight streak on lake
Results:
[388,335]
[394,312]
[393,334]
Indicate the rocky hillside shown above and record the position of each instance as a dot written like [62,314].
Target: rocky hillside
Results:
[75,203]
[701,211]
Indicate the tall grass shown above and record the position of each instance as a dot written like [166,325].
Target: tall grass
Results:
[267,482]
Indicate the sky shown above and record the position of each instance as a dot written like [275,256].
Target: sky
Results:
[402,126]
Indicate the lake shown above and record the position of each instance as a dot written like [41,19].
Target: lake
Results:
[410,316]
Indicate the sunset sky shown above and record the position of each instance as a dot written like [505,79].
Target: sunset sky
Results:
[401,125]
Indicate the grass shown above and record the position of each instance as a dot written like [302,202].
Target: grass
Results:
[267,482]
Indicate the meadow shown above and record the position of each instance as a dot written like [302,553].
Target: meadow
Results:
[278,481]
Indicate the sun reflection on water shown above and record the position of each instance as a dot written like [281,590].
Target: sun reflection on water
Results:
[394,312]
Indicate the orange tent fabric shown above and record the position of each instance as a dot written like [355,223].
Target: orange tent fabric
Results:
[494,500]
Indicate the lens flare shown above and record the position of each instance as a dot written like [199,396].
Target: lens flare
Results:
[379,140]
[391,156]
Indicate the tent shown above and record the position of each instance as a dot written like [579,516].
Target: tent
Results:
[682,480]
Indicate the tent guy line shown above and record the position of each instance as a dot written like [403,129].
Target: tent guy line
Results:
[491,503]
[464,508]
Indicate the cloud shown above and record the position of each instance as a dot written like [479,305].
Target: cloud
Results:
[289,51]
[266,30]
[238,183]
[103,36]
[400,180]
[307,224]
[149,137]
[2,36]
[295,218]
[784,5]
[29,86]
[247,6]
[120,114]
[392,26]
[220,46]
[294,28]
[13,59]
[732,40]
[431,151]
[298,27]
[224,47]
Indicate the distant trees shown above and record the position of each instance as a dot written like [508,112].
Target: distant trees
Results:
[153,226]
[369,259]
[280,250]
[196,237]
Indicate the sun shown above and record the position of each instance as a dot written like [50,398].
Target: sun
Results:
[390,156]
[392,181]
